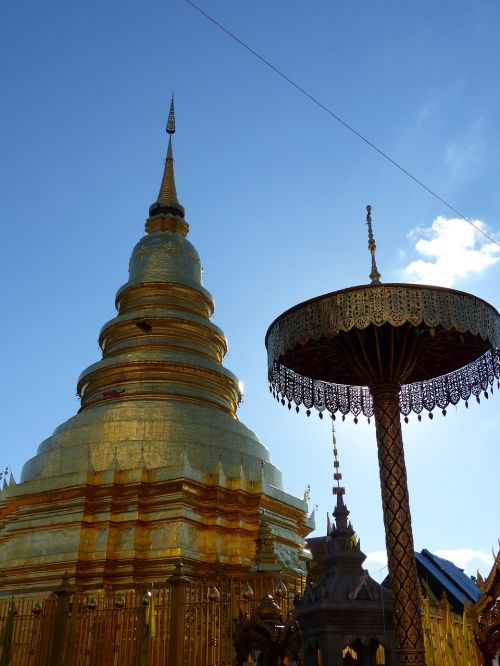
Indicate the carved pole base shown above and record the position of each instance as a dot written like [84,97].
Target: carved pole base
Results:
[409,636]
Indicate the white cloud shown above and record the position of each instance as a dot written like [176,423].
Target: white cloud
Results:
[376,563]
[464,558]
[468,559]
[450,249]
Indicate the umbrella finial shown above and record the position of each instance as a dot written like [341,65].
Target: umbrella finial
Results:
[374,275]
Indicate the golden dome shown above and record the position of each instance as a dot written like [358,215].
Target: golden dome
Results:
[165,257]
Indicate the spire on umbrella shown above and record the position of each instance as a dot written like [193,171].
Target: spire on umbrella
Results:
[374,275]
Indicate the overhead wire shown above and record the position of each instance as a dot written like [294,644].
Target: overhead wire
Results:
[349,127]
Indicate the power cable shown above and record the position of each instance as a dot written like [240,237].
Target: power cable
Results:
[340,120]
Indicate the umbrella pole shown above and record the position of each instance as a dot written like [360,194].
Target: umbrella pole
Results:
[398,532]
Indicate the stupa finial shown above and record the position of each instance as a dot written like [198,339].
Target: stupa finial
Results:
[171,117]
[167,205]
[374,275]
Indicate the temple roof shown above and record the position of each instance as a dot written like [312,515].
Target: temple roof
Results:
[444,576]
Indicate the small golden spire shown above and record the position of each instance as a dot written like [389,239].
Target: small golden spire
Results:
[374,275]
[167,203]
[338,489]
[340,512]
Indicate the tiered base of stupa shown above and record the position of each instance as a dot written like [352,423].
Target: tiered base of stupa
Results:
[139,505]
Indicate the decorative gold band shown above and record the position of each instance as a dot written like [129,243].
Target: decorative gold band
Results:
[394,304]
[410,657]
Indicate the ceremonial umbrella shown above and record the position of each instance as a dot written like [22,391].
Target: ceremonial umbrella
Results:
[383,350]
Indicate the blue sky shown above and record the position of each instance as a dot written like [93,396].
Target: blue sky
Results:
[274,191]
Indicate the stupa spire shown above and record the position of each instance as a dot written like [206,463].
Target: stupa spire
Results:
[340,512]
[265,556]
[341,533]
[162,345]
[167,213]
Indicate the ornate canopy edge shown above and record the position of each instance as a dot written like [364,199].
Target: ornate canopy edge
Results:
[396,304]
[474,379]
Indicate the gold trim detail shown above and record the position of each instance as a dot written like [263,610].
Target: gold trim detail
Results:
[166,223]
[394,304]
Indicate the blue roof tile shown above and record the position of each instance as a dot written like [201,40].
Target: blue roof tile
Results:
[457,585]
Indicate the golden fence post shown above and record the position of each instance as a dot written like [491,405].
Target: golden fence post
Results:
[59,633]
[7,635]
[177,616]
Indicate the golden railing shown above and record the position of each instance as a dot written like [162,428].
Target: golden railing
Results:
[193,625]
[449,640]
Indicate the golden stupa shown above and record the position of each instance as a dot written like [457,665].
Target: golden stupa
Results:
[155,467]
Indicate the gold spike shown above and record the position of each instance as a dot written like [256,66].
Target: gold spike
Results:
[168,194]
[167,214]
